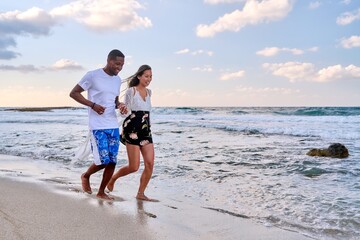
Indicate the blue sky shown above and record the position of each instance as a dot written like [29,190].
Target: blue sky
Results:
[203,52]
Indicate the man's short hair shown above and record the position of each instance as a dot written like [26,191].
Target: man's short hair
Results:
[115,53]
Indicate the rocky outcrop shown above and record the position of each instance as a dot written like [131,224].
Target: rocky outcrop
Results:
[335,150]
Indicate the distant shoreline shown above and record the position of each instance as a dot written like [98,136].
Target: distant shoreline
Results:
[38,109]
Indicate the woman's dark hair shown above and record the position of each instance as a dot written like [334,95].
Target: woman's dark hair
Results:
[134,80]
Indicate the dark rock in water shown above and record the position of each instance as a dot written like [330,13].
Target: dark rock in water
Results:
[335,150]
[338,150]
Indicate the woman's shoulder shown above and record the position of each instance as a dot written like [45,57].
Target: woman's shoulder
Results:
[149,91]
[130,90]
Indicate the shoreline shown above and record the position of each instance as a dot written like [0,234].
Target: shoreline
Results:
[38,109]
[35,208]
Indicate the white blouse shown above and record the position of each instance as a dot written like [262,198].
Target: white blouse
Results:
[134,101]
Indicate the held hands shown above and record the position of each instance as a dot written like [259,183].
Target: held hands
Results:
[122,107]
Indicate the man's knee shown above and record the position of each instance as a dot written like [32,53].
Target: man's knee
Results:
[111,165]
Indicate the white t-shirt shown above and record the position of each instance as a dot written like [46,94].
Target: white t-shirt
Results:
[102,89]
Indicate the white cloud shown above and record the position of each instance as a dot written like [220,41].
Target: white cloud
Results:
[272,51]
[233,75]
[348,17]
[197,52]
[98,15]
[294,51]
[314,5]
[62,64]
[353,71]
[331,72]
[296,71]
[276,90]
[104,15]
[351,42]
[254,12]
[183,51]
[313,49]
[338,72]
[268,52]
[214,2]
[66,64]
[203,69]
[34,21]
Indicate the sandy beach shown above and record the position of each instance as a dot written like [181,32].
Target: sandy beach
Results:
[45,208]
[29,211]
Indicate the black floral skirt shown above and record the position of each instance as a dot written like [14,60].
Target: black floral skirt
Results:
[136,129]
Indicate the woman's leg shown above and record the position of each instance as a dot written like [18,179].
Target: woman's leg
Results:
[148,154]
[133,152]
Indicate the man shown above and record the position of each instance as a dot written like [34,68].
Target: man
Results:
[103,87]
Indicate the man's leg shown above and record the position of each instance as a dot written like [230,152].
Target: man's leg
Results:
[108,172]
[113,139]
[85,177]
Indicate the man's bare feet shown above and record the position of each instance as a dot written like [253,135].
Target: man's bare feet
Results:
[85,184]
[110,186]
[141,196]
[104,196]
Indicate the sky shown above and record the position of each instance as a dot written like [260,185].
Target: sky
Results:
[213,53]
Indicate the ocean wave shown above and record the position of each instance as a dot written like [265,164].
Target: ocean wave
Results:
[287,111]
[314,172]
[179,110]
[258,131]
[238,112]
[320,111]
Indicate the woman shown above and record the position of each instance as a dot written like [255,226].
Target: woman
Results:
[136,133]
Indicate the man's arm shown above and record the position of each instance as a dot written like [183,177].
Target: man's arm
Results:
[77,96]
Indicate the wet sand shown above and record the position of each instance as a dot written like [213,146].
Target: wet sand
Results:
[31,209]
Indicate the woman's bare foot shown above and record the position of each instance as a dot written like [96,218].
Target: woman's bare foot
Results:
[110,186]
[85,183]
[141,196]
[104,196]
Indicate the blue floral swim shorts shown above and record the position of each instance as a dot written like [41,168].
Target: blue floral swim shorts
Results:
[105,145]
